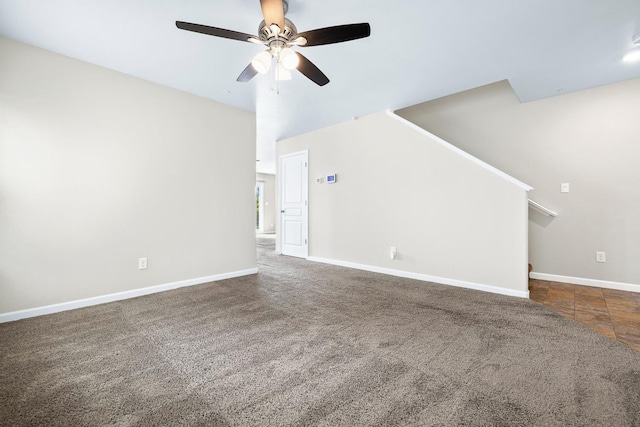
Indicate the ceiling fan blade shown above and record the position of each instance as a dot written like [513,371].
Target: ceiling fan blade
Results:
[273,11]
[247,74]
[213,31]
[312,72]
[337,34]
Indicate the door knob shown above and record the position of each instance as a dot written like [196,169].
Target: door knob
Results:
[282,211]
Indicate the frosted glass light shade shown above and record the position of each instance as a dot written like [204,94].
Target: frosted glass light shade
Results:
[289,59]
[262,62]
[282,73]
[632,56]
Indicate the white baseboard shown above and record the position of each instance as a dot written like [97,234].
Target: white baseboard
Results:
[424,277]
[55,308]
[586,282]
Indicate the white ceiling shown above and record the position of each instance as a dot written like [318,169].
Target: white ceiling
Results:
[418,50]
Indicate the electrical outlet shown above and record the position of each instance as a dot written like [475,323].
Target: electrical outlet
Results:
[601,257]
[564,187]
[393,252]
[142,263]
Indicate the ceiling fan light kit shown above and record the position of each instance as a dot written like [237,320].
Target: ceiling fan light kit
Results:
[279,35]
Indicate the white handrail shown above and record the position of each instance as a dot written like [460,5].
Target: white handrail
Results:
[538,207]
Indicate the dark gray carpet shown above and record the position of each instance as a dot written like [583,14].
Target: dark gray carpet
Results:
[311,344]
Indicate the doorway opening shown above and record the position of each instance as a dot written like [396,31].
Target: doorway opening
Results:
[259,207]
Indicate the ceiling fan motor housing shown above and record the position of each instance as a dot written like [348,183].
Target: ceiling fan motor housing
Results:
[269,34]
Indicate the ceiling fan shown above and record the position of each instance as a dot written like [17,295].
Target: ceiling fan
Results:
[279,34]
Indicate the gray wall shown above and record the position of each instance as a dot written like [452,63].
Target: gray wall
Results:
[98,169]
[448,217]
[589,139]
[269,201]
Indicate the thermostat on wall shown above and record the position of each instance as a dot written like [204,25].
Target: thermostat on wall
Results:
[331,179]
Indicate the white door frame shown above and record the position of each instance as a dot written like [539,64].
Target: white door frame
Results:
[304,253]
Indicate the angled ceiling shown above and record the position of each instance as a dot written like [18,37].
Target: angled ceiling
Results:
[418,50]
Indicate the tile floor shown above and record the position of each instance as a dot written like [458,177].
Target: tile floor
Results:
[615,314]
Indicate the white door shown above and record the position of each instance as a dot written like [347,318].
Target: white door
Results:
[293,204]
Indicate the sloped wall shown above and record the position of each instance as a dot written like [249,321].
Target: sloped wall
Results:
[451,219]
[98,169]
[588,139]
